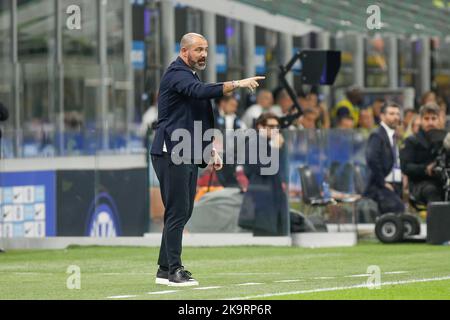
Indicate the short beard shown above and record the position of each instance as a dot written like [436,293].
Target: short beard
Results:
[393,126]
[199,68]
[195,65]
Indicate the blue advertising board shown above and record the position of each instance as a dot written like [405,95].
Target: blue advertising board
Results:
[27,204]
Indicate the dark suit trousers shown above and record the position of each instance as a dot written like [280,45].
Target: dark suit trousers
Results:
[389,201]
[178,185]
[427,191]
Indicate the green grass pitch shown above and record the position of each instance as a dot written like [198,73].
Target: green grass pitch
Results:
[408,271]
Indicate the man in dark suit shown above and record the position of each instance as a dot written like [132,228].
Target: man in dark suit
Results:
[183,104]
[418,159]
[382,155]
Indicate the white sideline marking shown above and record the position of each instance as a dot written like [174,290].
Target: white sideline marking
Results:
[249,284]
[124,273]
[246,273]
[121,297]
[286,281]
[357,276]
[324,278]
[206,288]
[396,272]
[163,292]
[28,273]
[364,285]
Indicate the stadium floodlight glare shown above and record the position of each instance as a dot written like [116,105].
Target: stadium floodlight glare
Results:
[318,67]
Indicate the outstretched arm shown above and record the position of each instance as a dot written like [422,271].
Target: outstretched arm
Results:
[250,83]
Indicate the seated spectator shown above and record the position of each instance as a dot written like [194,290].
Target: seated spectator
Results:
[384,184]
[352,103]
[264,102]
[307,120]
[265,207]
[413,127]
[303,100]
[428,97]
[366,121]
[226,114]
[226,119]
[376,108]
[344,120]
[408,114]
[283,103]
[323,120]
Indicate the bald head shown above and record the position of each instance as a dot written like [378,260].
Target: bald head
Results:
[189,39]
[194,50]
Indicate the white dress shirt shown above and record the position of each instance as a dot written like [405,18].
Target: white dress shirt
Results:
[395,176]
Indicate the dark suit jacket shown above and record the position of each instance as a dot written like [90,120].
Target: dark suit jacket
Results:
[380,161]
[183,99]
[415,156]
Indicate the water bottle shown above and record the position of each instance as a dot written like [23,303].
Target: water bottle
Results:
[326,190]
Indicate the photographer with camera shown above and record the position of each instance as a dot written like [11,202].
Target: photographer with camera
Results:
[418,159]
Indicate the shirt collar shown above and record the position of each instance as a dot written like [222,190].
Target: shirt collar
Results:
[389,131]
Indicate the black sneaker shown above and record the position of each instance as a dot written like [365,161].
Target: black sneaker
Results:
[182,278]
[162,277]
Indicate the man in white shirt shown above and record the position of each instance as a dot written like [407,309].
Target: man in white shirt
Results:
[264,102]
[283,103]
[226,114]
[383,161]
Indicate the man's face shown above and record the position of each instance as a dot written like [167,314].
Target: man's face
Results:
[429,121]
[196,54]
[346,123]
[366,119]
[391,117]
[272,127]
[309,121]
[304,102]
[313,99]
[286,104]
[231,106]
[265,99]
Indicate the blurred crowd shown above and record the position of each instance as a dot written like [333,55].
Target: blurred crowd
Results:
[348,113]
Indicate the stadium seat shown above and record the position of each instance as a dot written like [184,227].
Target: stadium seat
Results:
[312,196]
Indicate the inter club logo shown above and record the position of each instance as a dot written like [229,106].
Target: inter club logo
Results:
[104,221]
